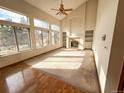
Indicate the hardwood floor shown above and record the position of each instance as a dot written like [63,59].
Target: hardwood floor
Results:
[76,67]
[20,78]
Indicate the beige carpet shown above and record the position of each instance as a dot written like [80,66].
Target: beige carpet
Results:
[71,65]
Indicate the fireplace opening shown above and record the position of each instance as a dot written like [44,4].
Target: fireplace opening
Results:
[74,44]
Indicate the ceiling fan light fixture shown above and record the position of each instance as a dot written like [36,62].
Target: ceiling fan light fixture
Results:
[62,10]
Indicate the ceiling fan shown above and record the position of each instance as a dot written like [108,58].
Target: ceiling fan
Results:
[62,10]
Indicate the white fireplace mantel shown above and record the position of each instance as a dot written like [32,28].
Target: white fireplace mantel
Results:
[74,37]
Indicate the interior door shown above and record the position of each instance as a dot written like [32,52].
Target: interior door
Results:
[121,84]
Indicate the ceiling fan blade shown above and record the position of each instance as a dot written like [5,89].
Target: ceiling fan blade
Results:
[55,9]
[57,13]
[64,13]
[62,10]
[68,9]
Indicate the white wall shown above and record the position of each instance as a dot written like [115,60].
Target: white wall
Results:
[116,61]
[91,13]
[74,24]
[81,19]
[31,12]
[106,16]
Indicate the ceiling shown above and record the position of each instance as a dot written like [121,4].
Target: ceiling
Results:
[46,5]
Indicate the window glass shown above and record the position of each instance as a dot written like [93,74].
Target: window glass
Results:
[55,27]
[55,37]
[41,23]
[39,38]
[23,38]
[42,38]
[45,38]
[7,40]
[12,16]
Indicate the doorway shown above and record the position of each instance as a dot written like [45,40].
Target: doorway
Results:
[121,83]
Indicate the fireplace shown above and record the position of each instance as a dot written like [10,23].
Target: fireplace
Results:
[74,44]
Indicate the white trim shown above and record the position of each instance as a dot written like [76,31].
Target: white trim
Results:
[3,22]
[14,11]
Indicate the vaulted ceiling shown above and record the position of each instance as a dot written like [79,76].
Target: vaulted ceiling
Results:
[46,5]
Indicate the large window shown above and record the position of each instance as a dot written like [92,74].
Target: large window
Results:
[7,40]
[41,23]
[45,38]
[39,38]
[42,35]
[23,38]
[55,34]
[55,37]
[12,16]
[13,39]
[55,27]
[42,38]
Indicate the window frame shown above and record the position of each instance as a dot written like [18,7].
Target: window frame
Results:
[56,26]
[41,21]
[18,25]
[42,30]
[14,11]
[55,31]
[36,39]
[16,37]
[48,37]
[54,37]
[29,26]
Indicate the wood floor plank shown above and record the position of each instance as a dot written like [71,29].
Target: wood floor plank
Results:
[20,78]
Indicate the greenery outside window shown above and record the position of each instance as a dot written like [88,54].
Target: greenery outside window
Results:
[7,40]
[45,38]
[55,34]
[23,38]
[42,38]
[13,40]
[41,23]
[11,16]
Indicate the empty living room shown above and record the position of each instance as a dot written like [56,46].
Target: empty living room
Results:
[61,46]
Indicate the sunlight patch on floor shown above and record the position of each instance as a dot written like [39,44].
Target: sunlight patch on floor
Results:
[57,65]
[73,66]
[62,59]
[72,53]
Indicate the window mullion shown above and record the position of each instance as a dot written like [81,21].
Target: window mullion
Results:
[48,38]
[42,38]
[29,34]
[16,39]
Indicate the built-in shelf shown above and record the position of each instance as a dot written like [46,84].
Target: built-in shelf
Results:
[88,39]
[64,39]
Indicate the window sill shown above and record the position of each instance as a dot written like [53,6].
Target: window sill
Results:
[42,47]
[16,53]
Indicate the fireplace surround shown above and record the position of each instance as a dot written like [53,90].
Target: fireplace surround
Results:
[74,43]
